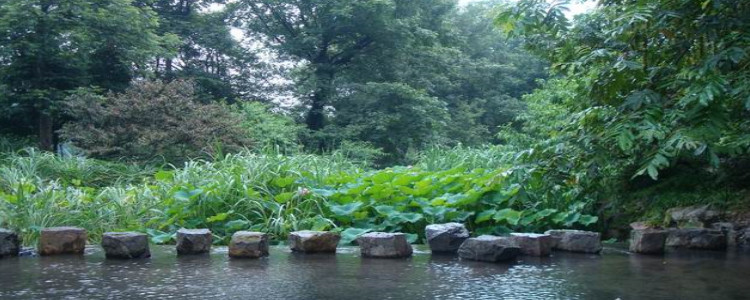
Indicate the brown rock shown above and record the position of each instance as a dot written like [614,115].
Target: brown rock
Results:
[125,245]
[384,245]
[648,241]
[247,244]
[194,241]
[62,240]
[10,244]
[489,248]
[576,240]
[533,244]
[314,241]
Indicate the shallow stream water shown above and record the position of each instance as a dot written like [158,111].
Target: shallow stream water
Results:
[613,275]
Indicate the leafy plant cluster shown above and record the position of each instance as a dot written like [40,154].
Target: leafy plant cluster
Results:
[407,199]
[649,108]
[271,193]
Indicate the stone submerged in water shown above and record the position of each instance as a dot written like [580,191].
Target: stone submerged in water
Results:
[10,244]
[648,241]
[489,248]
[62,240]
[576,240]
[743,239]
[446,238]
[194,241]
[533,244]
[248,244]
[384,245]
[728,229]
[697,238]
[125,245]
[314,241]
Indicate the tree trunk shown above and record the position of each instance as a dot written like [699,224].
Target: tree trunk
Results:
[45,132]
[320,98]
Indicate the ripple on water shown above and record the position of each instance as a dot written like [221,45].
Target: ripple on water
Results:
[286,275]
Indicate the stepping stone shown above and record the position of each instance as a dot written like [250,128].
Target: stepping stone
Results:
[194,241]
[62,240]
[576,240]
[446,238]
[533,244]
[729,230]
[125,245]
[10,244]
[489,248]
[384,245]
[314,241]
[648,241]
[247,244]
[743,239]
[697,238]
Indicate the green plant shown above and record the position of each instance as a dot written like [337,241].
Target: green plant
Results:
[152,121]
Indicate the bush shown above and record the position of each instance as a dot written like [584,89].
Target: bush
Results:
[151,120]
[270,130]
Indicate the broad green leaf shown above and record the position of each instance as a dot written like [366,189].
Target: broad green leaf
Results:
[284,197]
[218,217]
[346,209]
[587,220]
[164,175]
[508,215]
[236,225]
[283,182]
[485,216]
[411,217]
[386,210]
[411,238]
[351,234]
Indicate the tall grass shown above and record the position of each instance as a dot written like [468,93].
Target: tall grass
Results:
[440,158]
[240,191]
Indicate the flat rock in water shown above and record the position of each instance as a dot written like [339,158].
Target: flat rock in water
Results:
[533,244]
[697,238]
[10,244]
[648,241]
[125,245]
[194,241]
[62,240]
[729,230]
[576,240]
[384,245]
[314,241]
[248,244]
[446,238]
[489,248]
[743,238]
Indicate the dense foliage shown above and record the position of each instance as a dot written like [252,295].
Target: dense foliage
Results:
[271,193]
[650,102]
[152,120]
[279,115]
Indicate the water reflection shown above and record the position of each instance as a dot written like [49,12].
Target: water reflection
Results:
[286,275]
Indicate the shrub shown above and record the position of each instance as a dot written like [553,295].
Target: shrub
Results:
[269,129]
[151,120]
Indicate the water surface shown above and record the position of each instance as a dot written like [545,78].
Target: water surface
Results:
[284,275]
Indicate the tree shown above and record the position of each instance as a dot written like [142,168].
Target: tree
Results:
[326,35]
[152,120]
[51,47]
[206,51]
[660,83]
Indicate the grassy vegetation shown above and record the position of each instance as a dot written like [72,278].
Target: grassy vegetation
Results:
[271,193]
